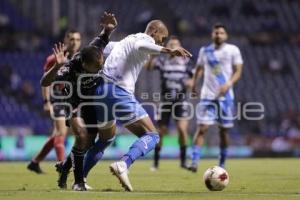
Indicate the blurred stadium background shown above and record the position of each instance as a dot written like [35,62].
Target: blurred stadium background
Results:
[267,32]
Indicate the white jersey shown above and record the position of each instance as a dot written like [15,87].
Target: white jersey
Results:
[109,47]
[127,58]
[227,56]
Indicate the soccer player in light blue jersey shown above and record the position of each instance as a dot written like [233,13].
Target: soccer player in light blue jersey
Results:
[220,64]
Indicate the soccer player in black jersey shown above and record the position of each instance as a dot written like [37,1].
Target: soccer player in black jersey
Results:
[176,74]
[88,61]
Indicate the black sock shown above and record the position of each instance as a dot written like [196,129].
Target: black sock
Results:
[183,155]
[77,163]
[156,156]
[67,163]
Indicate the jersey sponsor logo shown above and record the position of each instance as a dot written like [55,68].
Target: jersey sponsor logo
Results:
[217,70]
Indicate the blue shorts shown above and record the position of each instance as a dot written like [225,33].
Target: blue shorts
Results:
[211,112]
[115,103]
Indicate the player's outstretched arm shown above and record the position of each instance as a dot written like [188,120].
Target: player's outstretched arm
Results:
[179,51]
[61,59]
[154,49]
[108,24]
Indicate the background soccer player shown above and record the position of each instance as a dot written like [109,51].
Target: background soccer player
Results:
[175,79]
[221,65]
[121,70]
[72,42]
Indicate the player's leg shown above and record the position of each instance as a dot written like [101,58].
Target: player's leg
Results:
[148,138]
[206,114]
[181,114]
[49,144]
[121,105]
[163,122]
[198,141]
[224,142]
[105,137]
[225,123]
[75,158]
[82,142]
[182,126]
[164,117]
[162,130]
[56,140]
[59,138]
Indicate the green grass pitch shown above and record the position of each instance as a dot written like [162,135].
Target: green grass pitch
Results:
[249,179]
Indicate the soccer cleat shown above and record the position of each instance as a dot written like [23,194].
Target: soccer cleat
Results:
[86,185]
[62,176]
[79,187]
[153,168]
[192,168]
[35,167]
[119,169]
[184,166]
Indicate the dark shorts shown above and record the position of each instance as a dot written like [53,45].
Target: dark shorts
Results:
[60,110]
[178,110]
[88,114]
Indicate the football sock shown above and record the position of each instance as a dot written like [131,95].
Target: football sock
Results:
[77,156]
[59,146]
[141,147]
[45,150]
[196,150]
[223,156]
[67,165]
[94,154]
[156,156]
[183,155]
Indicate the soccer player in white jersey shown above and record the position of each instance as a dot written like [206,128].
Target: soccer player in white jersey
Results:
[221,65]
[117,100]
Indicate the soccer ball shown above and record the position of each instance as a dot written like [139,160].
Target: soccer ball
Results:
[216,178]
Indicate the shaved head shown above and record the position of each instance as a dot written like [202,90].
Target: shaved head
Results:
[158,30]
[156,25]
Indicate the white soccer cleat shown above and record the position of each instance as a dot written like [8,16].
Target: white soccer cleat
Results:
[86,185]
[119,169]
[78,187]
[153,169]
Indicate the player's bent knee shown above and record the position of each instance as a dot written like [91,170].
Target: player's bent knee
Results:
[156,137]
[203,129]
[106,125]
[224,130]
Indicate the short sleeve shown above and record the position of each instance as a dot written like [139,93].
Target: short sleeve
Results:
[109,47]
[65,72]
[200,60]
[50,61]
[237,57]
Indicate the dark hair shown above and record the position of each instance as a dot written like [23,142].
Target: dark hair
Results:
[71,31]
[219,25]
[90,54]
